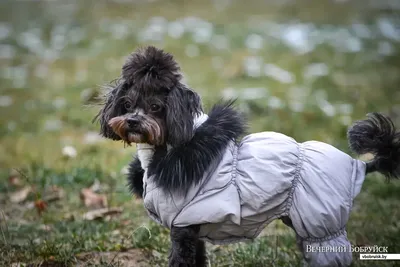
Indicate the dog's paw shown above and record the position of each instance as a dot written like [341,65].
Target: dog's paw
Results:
[176,261]
[173,263]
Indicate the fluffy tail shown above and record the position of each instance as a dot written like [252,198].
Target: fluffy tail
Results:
[378,136]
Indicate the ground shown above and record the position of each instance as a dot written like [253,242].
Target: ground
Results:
[306,69]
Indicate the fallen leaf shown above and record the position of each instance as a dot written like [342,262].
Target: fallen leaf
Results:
[21,195]
[101,213]
[52,194]
[14,179]
[40,206]
[92,199]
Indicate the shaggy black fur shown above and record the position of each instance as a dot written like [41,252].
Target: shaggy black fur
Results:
[187,250]
[148,74]
[135,177]
[110,107]
[184,165]
[378,136]
[182,105]
[151,68]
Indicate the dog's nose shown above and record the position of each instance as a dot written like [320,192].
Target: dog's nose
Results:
[133,123]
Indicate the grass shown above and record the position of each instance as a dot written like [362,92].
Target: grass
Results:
[51,108]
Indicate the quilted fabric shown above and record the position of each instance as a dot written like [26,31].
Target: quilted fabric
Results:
[264,177]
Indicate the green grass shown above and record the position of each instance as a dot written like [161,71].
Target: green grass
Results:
[50,91]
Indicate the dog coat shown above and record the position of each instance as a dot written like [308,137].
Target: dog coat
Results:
[264,177]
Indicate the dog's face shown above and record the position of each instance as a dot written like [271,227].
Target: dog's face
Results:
[149,104]
[142,118]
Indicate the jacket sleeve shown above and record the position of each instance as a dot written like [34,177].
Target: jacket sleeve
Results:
[135,177]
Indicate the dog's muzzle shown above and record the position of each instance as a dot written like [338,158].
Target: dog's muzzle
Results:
[133,124]
[128,128]
[136,129]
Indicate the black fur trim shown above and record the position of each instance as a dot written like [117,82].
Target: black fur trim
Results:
[377,135]
[135,177]
[151,68]
[184,165]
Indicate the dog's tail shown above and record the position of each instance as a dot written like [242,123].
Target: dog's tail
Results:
[378,136]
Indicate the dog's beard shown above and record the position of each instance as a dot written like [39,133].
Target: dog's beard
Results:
[150,131]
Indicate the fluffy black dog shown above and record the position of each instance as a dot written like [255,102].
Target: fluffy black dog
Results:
[200,181]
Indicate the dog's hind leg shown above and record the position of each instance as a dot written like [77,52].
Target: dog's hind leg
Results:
[201,254]
[186,248]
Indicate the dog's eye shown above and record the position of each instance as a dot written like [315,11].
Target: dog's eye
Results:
[155,107]
[127,105]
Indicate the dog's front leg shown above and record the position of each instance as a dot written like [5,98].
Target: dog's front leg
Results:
[186,248]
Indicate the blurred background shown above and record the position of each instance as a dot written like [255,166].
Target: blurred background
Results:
[304,68]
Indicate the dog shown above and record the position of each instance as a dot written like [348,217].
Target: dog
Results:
[204,179]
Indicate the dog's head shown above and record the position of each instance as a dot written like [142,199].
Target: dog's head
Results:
[149,104]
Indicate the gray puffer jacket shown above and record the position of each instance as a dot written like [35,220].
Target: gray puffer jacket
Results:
[264,177]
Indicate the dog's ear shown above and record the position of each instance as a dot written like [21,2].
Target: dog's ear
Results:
[182,105]
[110,109]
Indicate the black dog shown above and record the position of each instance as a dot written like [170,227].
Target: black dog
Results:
[197,179]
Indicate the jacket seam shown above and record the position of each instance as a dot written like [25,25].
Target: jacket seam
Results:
[289,200]
[341,231]
[234,169]
[352,184]
[296,178]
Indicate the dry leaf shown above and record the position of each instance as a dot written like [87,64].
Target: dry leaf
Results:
[93,200]
[40,206]
[21,195]
[53,194]
[14,180]
[101,213]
